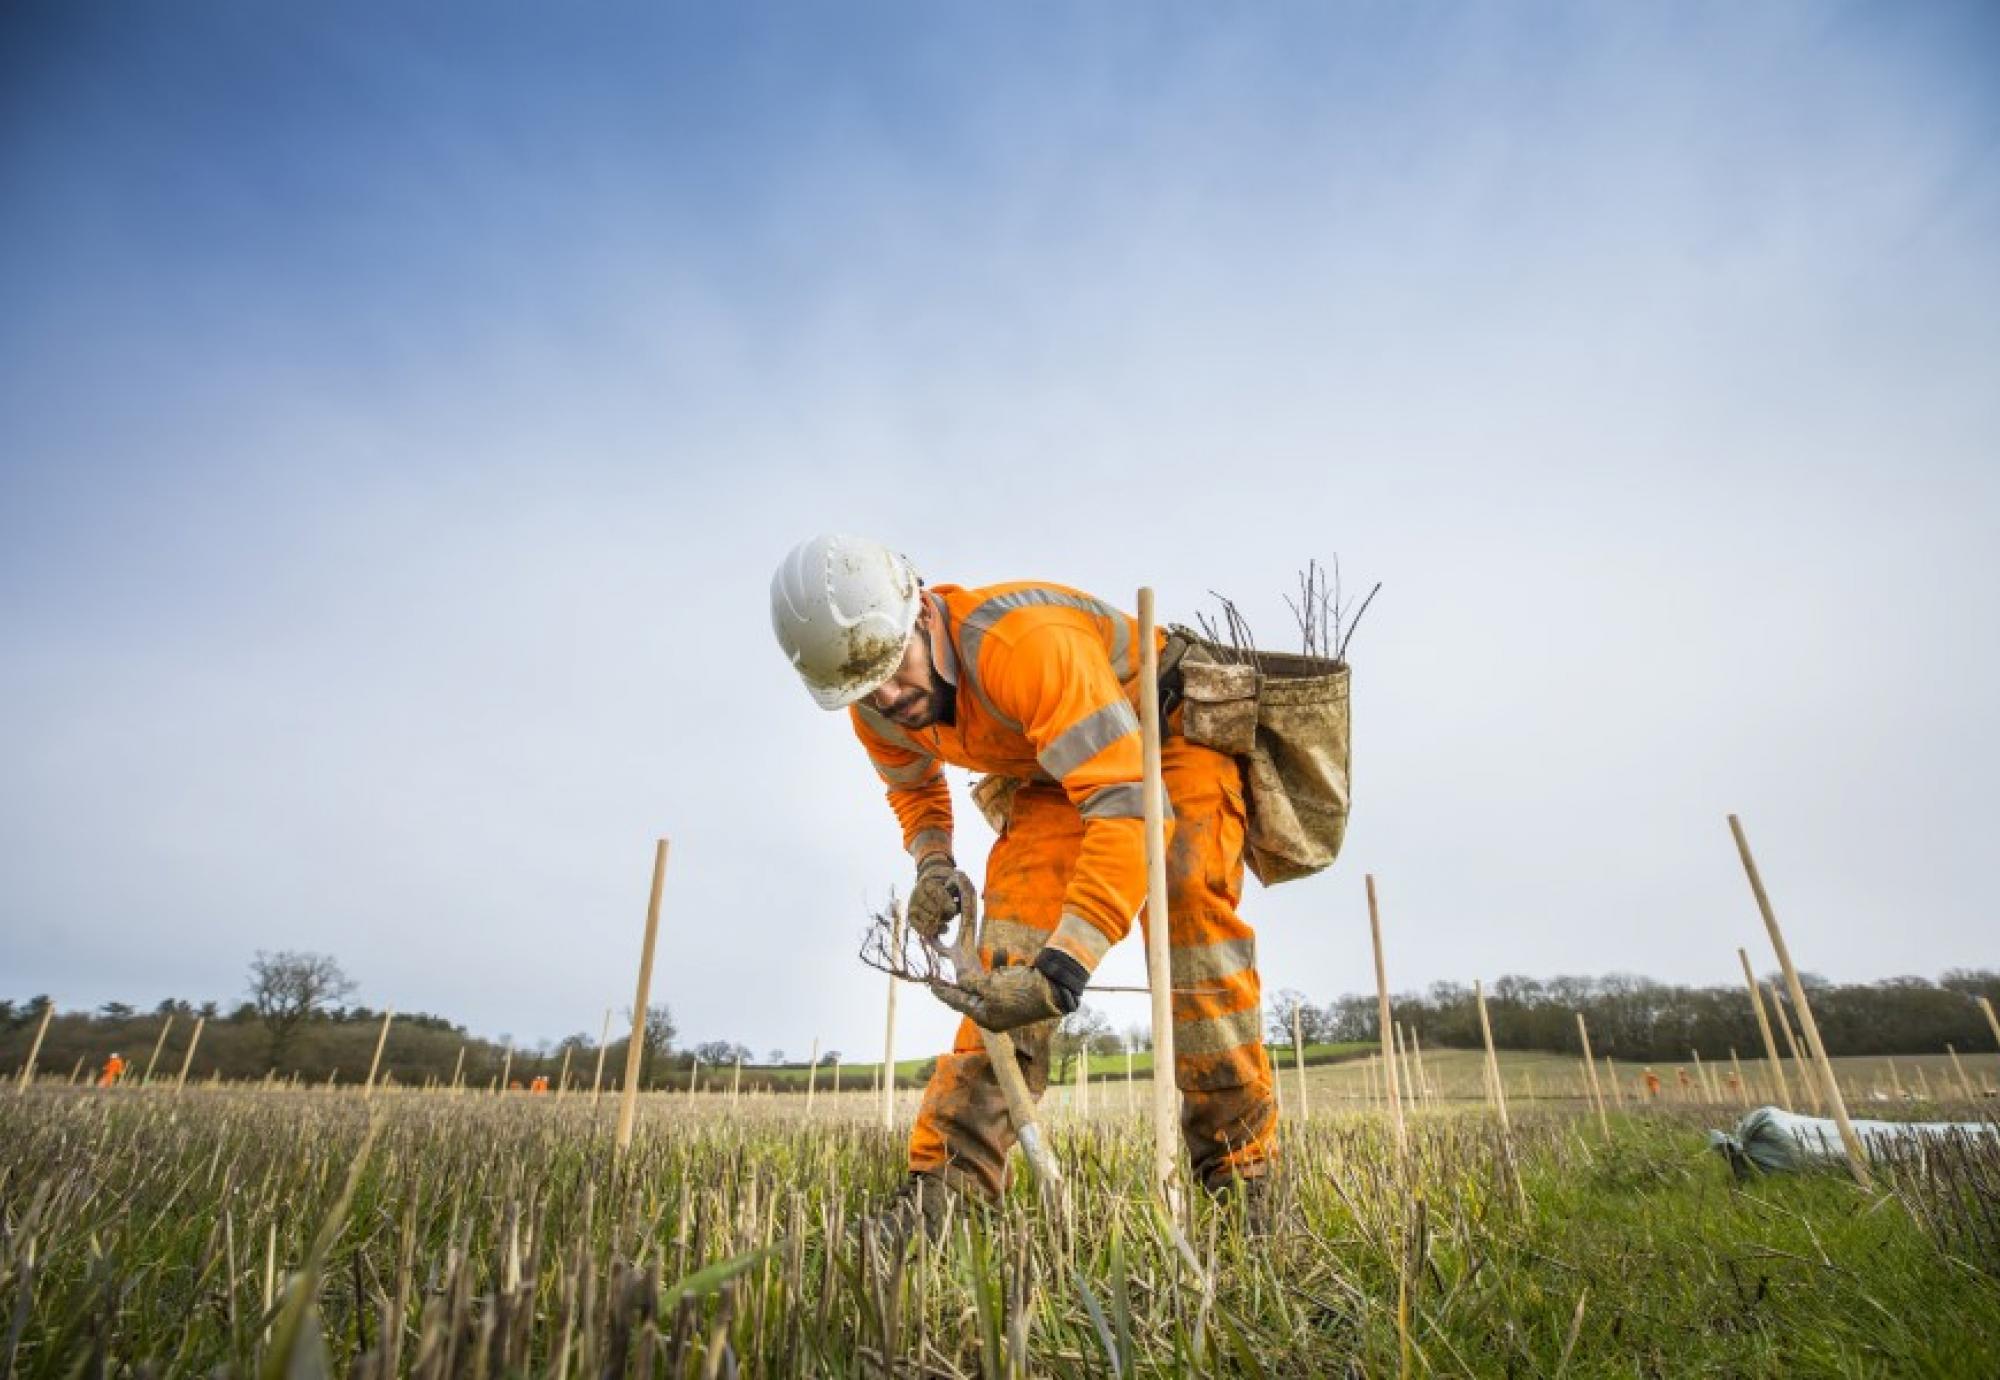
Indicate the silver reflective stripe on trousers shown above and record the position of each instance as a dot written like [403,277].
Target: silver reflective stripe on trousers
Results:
[1126,800]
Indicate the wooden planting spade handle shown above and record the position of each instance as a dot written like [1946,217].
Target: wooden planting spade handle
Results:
[1000,1051]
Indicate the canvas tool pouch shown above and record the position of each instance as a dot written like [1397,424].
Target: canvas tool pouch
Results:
[994,795]
[1294,754]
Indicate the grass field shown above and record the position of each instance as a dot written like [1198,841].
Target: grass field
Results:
[277,1232]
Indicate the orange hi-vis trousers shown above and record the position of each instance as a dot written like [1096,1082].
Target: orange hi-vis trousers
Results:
[1229,1114]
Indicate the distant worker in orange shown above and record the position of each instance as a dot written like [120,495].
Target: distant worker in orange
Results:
[114,1069]
[1652,1085]
[1687,1084]
[540,1085]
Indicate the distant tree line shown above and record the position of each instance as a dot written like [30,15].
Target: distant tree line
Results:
[292,1022]
[1635,1018]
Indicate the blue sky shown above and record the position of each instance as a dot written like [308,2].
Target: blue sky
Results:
[403,408]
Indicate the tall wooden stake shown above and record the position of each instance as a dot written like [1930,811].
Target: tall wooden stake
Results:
[1617,1085]
[35,1049]
[1299,1059]
[812,1076]
[736,1080]
[1992,1021]
[603,1043]
[1778,1082]
[628,1102]
[1798,1055]
[1496,1093]
[1964,1083]
[1425,1092]
[1387,1027]
[889,1023]
[506,1069]
[187,1060]
[1590,1063]
[457,1068]
[1159,966]
[562,1079]
[694,1076]
[368,1088]
[1857,1154]
[1701,1078]
[155,1057]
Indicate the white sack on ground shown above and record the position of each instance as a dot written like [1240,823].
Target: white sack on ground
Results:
[1771,1138]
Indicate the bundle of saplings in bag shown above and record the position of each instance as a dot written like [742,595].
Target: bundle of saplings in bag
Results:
[1285,716]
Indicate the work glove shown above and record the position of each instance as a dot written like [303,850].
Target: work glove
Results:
[1009,998]
[934,904]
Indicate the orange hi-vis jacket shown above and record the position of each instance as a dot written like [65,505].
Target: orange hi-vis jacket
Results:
[1048,690]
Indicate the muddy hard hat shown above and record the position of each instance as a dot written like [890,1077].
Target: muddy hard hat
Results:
[842,608]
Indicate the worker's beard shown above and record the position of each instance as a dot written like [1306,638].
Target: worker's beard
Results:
[937,705]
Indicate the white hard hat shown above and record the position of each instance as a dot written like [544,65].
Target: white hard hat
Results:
[842,608]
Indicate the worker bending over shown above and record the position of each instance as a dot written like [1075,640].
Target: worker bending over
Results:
[1036,685]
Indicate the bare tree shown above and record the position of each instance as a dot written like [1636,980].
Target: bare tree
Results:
[288,988]
[1080,1032]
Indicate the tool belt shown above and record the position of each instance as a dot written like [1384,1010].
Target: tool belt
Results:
[1287,720]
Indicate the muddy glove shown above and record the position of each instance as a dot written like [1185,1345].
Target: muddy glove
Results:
[934,904]
[1008,998]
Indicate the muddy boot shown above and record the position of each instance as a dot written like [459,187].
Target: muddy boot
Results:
[1255,1198]
[926,1204]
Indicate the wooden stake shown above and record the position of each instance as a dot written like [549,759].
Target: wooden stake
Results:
[562,1079]
[187,1060]
[1425,1091]
[1992,1021]
[603,1043]
[1299,1058]
[1742,1083]
[1857,1154]
[1496,1094]
[1387,1027]
[628,1102]
[1159,923]
[694,1075]
[35,1049]
[889,1024]
[1964,1083]
[155,1057]
[736,1081]
[457,1068]
[1611,1077]
[1596,1093]
[1778,1082]
[1798,1057]
[368,1088]
[836,1078]
[1701,1078]
[812,1076]
[506,1069]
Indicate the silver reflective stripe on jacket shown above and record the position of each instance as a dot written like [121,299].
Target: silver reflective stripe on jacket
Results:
[1087,737]
[972,632]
